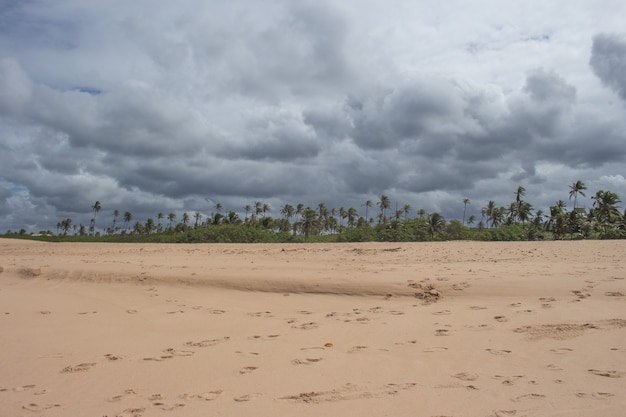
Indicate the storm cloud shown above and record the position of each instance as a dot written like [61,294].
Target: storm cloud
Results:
[175,107]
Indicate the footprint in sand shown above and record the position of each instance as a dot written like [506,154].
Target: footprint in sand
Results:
[132,412]
[248,369]
[261,314]
[168,407]
[435,349]
[595,395]
[38,408]
[561,351]
[268,337]
[306,326]
[498,352]
[205,396]
[501,319]
[608,374]
[127,393]
[307,361]
[508,380]
[357,349]
[505,413]
[82,367]
[169,354]
[207,342]
[614,294]
[113,358]
[24,388]
[531,396]
[464,376]
[247,397]
[442,332]
[442,313]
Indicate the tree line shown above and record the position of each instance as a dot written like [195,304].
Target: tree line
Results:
[377,222]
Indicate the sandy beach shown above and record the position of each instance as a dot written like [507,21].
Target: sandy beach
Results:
[369,329]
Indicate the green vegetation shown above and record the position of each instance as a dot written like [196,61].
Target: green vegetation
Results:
[516,222]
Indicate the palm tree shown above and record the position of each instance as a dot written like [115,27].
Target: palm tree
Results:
[436,224]
[310,222]
[368,204]
[287,211]
[66,225]
[128,216]
[197,216]
[384,204]
[352,215]
[116,214]
[149,228]
[421,213]
[524,211]
[465,201]
[185,218]
[171,217]
[299,210]
[606,211]
[247,208]
[406,209]
[470,220]
[497,216]
[342,215]
[160,217]
[258,209]
[487,211]
[96,208]
[232,218]
[577,188]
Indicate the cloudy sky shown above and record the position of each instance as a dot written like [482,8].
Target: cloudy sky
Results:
[156,106]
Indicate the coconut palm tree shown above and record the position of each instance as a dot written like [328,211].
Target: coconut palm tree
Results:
[470,220]
[487,211]
[577,188]
[149,228]
[96,209]
[310,222]
[384,204]
[606,210]
[197,216]
[171,217]
[116,214]
[342,215]
[352,215]
[436,224]
[406,209]
[368,204]
[128,216]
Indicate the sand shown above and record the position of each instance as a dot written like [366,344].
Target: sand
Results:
[369,329]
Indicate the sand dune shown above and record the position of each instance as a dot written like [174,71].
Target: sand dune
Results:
[371,329]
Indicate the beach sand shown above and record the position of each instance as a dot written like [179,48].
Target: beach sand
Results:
[366,329]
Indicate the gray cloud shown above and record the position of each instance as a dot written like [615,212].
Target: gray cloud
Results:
[174,107]
[608,61]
